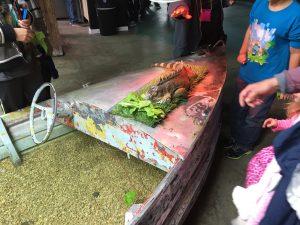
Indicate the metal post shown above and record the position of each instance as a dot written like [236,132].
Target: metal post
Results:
[5,138]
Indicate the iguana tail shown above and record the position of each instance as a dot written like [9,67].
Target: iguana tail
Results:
[178,65]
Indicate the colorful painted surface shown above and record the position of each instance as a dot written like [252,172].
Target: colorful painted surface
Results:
[103,126]
[162,146]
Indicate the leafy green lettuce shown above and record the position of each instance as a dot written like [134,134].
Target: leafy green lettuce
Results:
[134,106]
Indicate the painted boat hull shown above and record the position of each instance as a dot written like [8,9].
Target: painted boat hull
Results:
[183,145]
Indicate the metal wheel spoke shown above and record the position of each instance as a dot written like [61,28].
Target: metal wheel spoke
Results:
[48,113]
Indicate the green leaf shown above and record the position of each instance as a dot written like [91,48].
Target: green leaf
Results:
[132,97]
[126,104]
[143,104]
[130,198]
[149,112]
[39,39]
[132,110]
[145,111]
[158,112]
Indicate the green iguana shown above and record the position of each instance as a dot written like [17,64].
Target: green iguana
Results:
[175,82]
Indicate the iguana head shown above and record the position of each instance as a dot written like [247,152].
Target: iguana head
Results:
[151,93]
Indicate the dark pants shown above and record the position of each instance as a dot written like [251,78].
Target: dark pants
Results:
[144,5]
[133,9]
[122,12]
[247,122]
[71,11]
[18,93]
[213,31]
[181,44]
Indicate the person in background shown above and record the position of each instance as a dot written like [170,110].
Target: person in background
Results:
[70,4]
[133,12]
[269,47]
[144,6]
[212,29]
[198,23]
[20,71]
[139,8]
[187,33]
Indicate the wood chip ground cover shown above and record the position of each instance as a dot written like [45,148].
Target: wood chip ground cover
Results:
[74,179]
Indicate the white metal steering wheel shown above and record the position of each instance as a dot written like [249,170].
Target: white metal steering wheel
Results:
[48,113]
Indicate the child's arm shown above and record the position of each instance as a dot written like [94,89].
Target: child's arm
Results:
[283,125]
[294,58]
[277,125]
[242,57]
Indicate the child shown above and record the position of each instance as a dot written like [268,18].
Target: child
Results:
[263,173]
[271,45]
[259,162]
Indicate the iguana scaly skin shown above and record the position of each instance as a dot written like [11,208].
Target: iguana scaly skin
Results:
[175,82]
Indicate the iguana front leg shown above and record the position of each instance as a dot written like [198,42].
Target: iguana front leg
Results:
[165,99]
[180,92]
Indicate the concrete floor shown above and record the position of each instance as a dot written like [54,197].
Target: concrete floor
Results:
[92,59]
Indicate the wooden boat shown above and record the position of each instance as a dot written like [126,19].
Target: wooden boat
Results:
[182,145]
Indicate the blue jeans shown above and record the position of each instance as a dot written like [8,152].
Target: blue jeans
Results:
[246,126]
[71,11]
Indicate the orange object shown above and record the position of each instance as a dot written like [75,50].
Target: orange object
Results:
[182,11]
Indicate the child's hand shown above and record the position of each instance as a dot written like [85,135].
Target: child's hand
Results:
[270,123]
[24,23]
[182,11]
[242,58]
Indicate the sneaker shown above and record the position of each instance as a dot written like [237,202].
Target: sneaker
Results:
[75,24]
[229,143]
[237,152]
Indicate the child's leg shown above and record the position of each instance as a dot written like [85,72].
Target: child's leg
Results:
[247,122]
[238,113]
[252,128]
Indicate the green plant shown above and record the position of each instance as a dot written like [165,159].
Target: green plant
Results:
[134,106]
[130,198]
